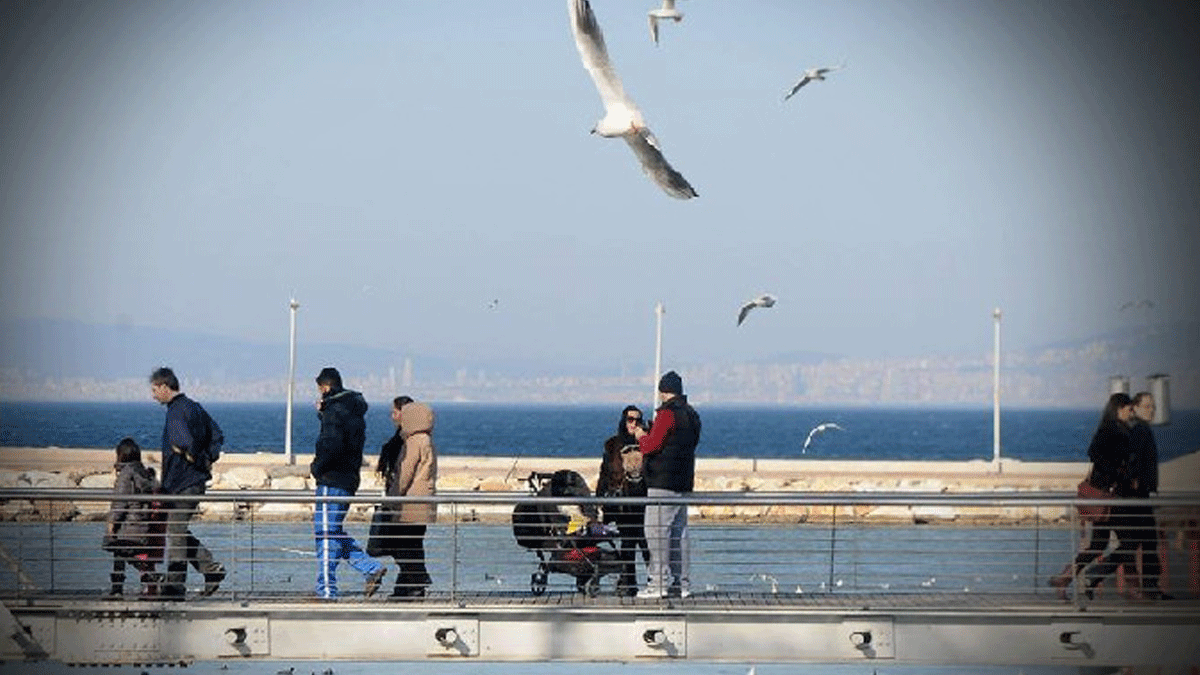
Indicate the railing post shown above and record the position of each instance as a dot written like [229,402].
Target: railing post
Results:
[1077,580]
[454,551]
[832,545]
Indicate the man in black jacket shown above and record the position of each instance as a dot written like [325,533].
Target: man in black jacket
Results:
[188,435]
[336,467]
[669,468]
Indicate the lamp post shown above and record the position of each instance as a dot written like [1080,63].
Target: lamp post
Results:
[287,431]
[996,392]
[658,317]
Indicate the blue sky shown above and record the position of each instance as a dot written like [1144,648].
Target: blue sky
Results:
[398,165]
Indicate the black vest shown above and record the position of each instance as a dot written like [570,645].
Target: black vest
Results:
[673,467]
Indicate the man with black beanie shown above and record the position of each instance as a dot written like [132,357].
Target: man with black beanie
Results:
[336,467]
[669,467]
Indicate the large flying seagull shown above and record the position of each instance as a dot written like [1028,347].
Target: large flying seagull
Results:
[621,117]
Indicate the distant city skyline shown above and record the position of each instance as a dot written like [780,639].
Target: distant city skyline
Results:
[1063,375]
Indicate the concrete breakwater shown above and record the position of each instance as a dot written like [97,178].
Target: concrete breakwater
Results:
[88,468]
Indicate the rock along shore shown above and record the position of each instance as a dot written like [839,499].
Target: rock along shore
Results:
[89,468]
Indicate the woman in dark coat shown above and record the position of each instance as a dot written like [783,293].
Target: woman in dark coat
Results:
[619,480]
[1109,452]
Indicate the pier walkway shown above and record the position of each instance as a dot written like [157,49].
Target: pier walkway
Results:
[819,578]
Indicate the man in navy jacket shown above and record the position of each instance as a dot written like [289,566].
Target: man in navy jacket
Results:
[188,435]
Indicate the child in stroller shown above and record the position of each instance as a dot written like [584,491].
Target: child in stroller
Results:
[567,538]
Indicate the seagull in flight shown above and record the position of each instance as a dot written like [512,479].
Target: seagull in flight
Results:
[494,304]
[764,300]
[667,11]
[819,429]
[810,75]
[621,116]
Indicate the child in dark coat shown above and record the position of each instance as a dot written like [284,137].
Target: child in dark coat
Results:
[133,532]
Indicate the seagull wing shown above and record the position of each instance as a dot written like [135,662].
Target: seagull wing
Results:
[653,27]
[590,42]
[808,440]
[744,311]
[796,87]
[645,146]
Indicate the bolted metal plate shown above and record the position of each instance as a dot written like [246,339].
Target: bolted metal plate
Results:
[1075,639]
[873,638]
[452,635]
[660,636]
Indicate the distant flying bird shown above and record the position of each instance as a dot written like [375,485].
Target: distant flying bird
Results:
[667,11]
[764,300]
[810,75]
[819,429]
[621,116]
[494,304]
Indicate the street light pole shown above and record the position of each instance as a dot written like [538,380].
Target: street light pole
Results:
[658,316]
[996,392]
[287,431]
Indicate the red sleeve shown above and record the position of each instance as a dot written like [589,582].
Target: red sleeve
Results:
[664,420]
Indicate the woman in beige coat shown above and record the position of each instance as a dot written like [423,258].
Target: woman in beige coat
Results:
[413,474]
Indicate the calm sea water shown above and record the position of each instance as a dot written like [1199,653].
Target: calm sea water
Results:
[580,431]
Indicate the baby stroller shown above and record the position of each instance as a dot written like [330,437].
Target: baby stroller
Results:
[580,546]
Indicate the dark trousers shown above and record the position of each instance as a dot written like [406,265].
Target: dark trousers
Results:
[181,547]
[632,537]
[140,563]
[408,549]
[1135,527]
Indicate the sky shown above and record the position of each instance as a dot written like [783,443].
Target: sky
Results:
[398,165]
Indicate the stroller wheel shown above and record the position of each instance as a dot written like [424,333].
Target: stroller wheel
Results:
[537,583]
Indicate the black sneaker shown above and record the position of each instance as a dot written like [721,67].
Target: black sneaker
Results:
[212,580]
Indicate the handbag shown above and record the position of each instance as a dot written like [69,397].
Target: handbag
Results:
[1089,512]
[121,546]
[379,539]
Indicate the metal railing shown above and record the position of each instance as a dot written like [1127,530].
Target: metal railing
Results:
[745,545]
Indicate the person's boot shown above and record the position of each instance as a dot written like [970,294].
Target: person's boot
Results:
[405,588]
[1063,579]
[213,577]
[117,585]
[151,583]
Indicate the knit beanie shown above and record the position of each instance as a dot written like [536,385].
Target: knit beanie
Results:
[671,383]
[330,376]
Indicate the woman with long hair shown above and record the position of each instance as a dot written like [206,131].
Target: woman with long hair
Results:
[620,476]
[1109,453]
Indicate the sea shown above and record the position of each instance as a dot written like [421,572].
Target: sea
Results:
[579,431]
[576,431]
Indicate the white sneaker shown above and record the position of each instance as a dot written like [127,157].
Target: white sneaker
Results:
[652,593]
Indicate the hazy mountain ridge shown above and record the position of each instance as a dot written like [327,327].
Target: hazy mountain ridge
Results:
[62,360]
